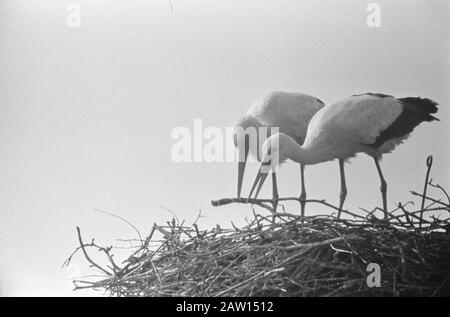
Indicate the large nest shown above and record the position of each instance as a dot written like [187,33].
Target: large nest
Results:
[288,255]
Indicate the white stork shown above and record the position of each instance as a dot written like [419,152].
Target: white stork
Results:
[290,113]
[370,123]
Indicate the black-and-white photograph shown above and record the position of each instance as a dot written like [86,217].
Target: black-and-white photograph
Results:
[224,148]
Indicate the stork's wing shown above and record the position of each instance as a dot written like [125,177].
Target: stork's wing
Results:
[290,112]
[367,115]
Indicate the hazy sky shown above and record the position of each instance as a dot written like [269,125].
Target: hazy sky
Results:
[86,114]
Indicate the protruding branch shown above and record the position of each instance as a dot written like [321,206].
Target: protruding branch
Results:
[82,245]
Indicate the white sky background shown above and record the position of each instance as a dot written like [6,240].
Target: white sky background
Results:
[86,114]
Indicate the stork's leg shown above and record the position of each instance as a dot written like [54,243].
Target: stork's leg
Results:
[383,187]
[303,194]
[275,191]
[343,193]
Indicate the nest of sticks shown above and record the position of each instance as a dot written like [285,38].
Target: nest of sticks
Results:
[282,254]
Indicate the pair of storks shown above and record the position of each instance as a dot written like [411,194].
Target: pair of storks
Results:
[310,133]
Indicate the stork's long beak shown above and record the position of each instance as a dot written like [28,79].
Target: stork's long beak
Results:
[259,180]
[241,166]
[241,169]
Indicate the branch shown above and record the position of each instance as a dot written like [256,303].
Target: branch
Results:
[429,164]
[261,202]
[226,201]
[442,189]
[82,245]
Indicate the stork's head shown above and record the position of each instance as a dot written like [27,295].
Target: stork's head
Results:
[275,151]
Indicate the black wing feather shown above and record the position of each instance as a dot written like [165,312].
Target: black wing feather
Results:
[415,111]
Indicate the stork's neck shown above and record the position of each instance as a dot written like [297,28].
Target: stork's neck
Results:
[304,155]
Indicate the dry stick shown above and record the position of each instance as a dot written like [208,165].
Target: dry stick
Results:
[369,213]
[114,267]
[105,250]
[429,164]
[307,248]
[156,273]
[147,241]
[430,209]
[148,258]
[167,209]
[218,275]
[323,202]
[398,218]
[436,201]
[442,189]
[402,208]
[123,219]
[306,245]
[260,202]
[432,203]
[239,284]
[80,240]
[69,259]
[226,201]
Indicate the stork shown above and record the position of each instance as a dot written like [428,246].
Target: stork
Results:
[370,123]
[290,113]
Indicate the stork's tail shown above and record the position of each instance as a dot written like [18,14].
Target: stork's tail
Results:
[424,106]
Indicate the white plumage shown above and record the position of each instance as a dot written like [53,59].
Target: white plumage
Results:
[350,126]
[366,115]
[369,123]
[289,112]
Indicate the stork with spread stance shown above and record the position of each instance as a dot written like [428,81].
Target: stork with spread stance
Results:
[290,113]
[370,123]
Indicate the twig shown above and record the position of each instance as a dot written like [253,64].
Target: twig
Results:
[226,201]
[123,219]
[260,202]
[429,164]
[82,245]
[442,190]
